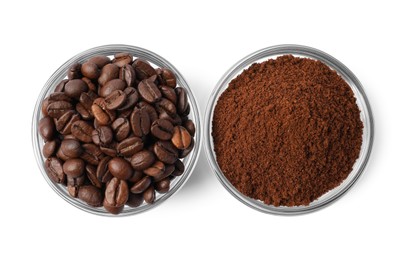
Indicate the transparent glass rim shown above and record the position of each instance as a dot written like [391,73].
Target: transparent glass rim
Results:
[190,161]
[362,102]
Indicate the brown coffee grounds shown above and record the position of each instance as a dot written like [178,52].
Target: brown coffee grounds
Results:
[286,131]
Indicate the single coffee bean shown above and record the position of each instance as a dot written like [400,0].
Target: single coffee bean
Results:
[167,106]
[53,167]
[131,99]
[174,119]
[121,59]
[100,60]
[140,122]
[71,148]
[169,93]
[181,138]
[152,113]
[142,160]
[182,100]
[90,70]
[110,86]
[134,200]
[165,152]
[44,106]
[143,69]
[102,115]
[136,176]
[102,170]
[121,128]
[169,78]
[128,74]
[64,123]
[169,169]
[184,153]
[149,91]
[58,108]
[120,168]
[130,146]
[82,131]
[75,87]
[91,174]
[76,181]
[91,154]
[50,148]
[83,112]
[91,195]
[117,192]
[74,167]
[74,71]
[73,190]
[112,209]
[110,150]
[149,195]
[141,185]
[108,73]
[116,99]
[155,170]
[87,98]
[162,186]
[102,135]
[91,85]
[61,155]
[61,86]
[47,128]
[59,96]
[187,111]
[190,126]
[162,129]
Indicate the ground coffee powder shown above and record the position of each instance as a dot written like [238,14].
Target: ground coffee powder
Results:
[286,131]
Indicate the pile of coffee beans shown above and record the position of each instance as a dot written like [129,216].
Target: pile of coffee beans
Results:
[115,131]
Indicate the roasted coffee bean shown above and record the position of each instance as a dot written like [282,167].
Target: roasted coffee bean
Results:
[91,195]
[131,99]
[128,74]
[142,160]
[174,119]
[74,71]
[149,91]
[73,190]
[124,113]
[74,167]
[58,108]
[102,115]
[76,181]
[102,135]
[90,70]
[110,150]
[141,185]
[53,167]
[69,137]
[190,126]
[156,170]
[117,192]
[140,122]
[110,86]
[108,73]
[184,153]
[169,93]
[111,209]
[120,168]
[152,113]
[116,99]
[169,78]
[181,138]
[149,195]
[162,186]
[59,96]
[162,129]
[102,171]
[82,131]
[64,123]
[83,112]
[91,85]
[100,60]
[91,174]
[121,59]
[166,106]
[44,106]
[182,100]
[165,152]
[46,128]
[61,85]
[169,169]
[75,87]
[121,128]
[134,200]
[91,154]
[136,176]
[187,111]
[70,149]
[130,146]
[143,69]
[50,148]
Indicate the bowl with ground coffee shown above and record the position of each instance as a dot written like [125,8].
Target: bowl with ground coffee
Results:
[288,130]
[116,130]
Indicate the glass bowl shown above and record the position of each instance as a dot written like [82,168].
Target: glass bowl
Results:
[156,61]
[365,115]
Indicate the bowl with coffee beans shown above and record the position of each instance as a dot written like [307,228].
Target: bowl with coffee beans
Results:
[116,130]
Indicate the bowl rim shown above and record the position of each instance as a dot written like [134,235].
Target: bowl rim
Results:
[265,54]
[137,52]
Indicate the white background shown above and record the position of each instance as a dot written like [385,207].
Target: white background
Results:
[203,39]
